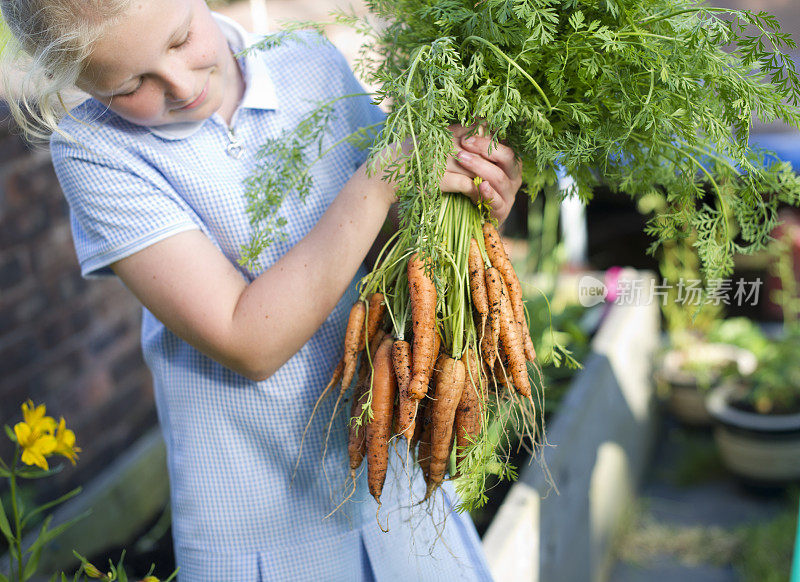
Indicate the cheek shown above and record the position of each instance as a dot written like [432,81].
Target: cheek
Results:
[141,107]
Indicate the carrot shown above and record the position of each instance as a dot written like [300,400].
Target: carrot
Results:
[365,369]
[513,346]
[476,374]
[501,374]
[360,396]
[335,377]
[499,259]
[437,345]
[375,311]
[424,436]
[357,441]
[422,293]
[353,342]
[477,282]
[406,411]
[449,382]
[379,429]
[419,424]
[495,290]
[468,419]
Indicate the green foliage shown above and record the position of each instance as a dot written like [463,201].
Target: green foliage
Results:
[19,516]
[768,548]
[486,460]
[116,572]
[631,93]
[774,387]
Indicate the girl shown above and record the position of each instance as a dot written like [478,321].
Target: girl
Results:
[153,166]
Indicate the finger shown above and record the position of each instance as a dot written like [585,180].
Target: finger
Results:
[454,166]
[461,184]
[458,131]
[488,171]
[498,153]
[500,207]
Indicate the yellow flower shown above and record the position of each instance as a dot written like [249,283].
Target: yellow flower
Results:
[35,436]
[36,446]
[150,579]
[34,417]
[65,442]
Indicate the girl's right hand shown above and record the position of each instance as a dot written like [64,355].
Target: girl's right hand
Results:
[495,163]
[475,156]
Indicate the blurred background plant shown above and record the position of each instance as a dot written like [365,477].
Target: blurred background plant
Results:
[38,438]
[774,386]
[681,276]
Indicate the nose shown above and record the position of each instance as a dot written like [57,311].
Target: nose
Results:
[178,85]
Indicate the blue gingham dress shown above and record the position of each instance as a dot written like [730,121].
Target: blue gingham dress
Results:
[232,443]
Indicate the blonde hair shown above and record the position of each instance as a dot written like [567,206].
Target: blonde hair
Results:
[41,64]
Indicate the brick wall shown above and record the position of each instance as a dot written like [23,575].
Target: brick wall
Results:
[70,343]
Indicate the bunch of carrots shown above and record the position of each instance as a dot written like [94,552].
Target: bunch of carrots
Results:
[428,373]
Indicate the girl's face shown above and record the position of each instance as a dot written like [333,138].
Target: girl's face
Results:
[164,61]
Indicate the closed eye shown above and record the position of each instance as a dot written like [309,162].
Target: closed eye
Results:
[132,91]
[184,42]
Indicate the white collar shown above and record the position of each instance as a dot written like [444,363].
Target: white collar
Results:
[259,90]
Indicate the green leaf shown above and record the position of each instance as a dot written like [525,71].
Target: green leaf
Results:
[47,535]
[577,20]
[119,569]
[10,433]
[5,526]
[37,473]
[49,504]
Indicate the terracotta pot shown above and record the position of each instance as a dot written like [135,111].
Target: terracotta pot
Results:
[686,389]
[760,448]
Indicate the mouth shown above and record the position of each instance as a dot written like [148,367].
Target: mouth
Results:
[197,101]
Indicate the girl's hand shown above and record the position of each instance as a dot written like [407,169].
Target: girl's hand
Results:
[497,165]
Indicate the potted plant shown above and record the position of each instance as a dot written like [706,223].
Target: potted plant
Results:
[757,416]
[686,374]
[695,356]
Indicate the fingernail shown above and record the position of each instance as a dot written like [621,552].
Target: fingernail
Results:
[464,157]
[469,141]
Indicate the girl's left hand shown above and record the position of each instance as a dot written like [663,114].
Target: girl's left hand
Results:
[496,164]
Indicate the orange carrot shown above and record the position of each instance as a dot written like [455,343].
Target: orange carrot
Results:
[379,429]
[353,342]
[501,372]
[423,319]
[437,345]
[477,282]
[468,419]
[476,374]
[420,424]
[511,340]
[335,377]
[449,382]
[357,441]
[499,259]
[406,411]
[495,290]
[360,396]
[365,369]
[375,311]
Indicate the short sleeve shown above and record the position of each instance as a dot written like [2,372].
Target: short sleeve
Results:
[119,204]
